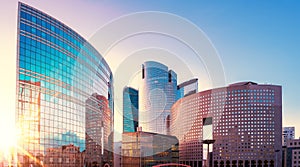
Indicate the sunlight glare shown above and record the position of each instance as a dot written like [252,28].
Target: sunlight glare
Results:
[7,140]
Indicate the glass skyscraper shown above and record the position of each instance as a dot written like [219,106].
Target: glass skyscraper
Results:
[130,109]
[57,72]
[156,96]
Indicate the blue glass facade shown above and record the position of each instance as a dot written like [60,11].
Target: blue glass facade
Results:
[156,97]
[57,71]
[130,109]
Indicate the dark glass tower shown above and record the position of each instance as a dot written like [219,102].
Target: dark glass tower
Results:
[57,71]
[130,109]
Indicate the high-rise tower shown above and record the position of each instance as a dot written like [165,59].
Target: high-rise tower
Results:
[156,96]
[130,109]
[97,131]
[57,71]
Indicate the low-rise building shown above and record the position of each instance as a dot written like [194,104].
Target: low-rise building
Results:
[67,156]
[288,133]
[148,149]
[291,153]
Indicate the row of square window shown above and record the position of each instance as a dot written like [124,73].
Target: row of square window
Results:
[295,152]
[241,91]
[295,143]
[79,51]
[53,106]
[56,67]
[83,55]
[65,63]
[62,105]
[45,37]
[70,79]
[66,49]
[66,91]
[28,12]
[64,32]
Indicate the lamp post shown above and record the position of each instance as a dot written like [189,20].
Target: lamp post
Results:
[208,142]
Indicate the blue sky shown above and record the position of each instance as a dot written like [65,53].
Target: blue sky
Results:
[256,40]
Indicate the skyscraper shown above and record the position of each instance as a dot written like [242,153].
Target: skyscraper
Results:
[57,71]
[130,109]
[156,96]
[244,119]
[97,125]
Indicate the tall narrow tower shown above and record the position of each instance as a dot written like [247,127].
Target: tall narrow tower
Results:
[130,109]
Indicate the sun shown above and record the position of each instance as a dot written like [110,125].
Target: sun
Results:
[7,141]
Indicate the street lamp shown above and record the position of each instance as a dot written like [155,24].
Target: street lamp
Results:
[208,142]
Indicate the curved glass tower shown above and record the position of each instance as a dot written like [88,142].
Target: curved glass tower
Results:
[57,74]
[156,96]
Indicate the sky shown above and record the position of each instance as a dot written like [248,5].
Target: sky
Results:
[255,40]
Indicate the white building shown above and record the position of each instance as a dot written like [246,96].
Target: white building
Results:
[288,133]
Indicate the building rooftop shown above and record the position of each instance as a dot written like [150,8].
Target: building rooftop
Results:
[187,83]
[243,83]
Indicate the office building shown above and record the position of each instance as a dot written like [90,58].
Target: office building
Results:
[98,129]
[148,149]
[130,109]
[67,156]
[244,119]
[57,71]
[157,94]
[291,153]
[187,88]
[118,154]
[288,133]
